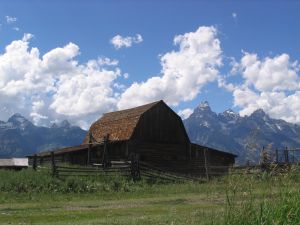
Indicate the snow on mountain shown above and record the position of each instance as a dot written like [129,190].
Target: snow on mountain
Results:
[65,124]
[18,121]
[204,105]
[244,136]
[19,137]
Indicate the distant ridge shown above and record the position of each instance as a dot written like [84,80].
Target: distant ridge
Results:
[228,131]
[19,137]
[244,136]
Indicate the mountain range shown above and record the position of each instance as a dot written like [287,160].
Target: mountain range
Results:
[19,137]
[244,136]
[228,131]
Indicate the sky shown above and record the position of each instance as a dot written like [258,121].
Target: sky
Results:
[76,60]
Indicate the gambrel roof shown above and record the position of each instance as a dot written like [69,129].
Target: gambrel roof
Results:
[120,125]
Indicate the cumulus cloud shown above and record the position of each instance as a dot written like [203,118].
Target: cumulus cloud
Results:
[184,72]
[234,15]
[270,74]
[185,113]
[10,19]
[126,75]
[108,62]
[119,42]
[55,85]
[272,84]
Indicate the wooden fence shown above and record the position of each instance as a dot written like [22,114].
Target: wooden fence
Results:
[280,161]
[286,156]
[132,168]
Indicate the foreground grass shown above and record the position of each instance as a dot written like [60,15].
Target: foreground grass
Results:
[29,197]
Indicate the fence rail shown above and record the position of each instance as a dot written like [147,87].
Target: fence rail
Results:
[279,162]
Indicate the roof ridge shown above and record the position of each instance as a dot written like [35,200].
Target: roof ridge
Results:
[135,108]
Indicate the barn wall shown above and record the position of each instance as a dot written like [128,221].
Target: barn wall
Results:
[157,152]
[217,162]
[116,151]
[160,124]
[169,157]
[76,157]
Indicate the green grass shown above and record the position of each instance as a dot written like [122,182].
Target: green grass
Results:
[29,197]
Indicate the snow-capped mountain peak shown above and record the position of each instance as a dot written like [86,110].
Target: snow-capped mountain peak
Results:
[65,124]
[203,105]
[19,137]
[228,131]
[17,120]
[259,112]
[229,114]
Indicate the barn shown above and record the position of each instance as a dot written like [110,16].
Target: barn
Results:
[152,133]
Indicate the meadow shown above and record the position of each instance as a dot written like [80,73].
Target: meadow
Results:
[35,197]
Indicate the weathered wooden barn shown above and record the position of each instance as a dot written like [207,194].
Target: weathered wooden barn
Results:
[153,133]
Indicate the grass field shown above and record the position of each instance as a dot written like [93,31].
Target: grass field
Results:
[29,197]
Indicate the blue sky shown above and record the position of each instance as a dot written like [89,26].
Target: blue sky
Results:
[265,28]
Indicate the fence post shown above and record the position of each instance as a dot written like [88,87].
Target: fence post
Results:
[34,163]
[286,155]
[276,152]
[89,149]
[190,151]
[135,168]
[205,164]
[248,163]
[294,157]
[263,160]
[41,160]
[54,171]
[105,160]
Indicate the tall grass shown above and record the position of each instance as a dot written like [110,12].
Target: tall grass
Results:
[244,199]
[267,199]
[29,181]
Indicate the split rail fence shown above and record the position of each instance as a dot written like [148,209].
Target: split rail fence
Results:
[133,168]
[278,161]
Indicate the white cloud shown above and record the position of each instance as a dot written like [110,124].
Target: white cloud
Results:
[87,90]
[27,37]
[272,84]
[119,42]
[270,74]
[107,61]
[55,86]
[11,19]
[126,75]
[16,28]
[234,15]
[185,113]
[184,72]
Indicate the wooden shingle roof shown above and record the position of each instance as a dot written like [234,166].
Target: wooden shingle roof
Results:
[119,125]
